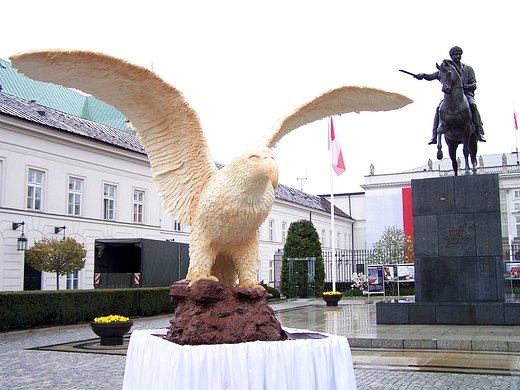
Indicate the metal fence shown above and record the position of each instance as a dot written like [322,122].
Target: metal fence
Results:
[350,261]
[511,252]
[347,262]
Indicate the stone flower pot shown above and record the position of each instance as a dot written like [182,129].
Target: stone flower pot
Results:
[332,300]
[111,333]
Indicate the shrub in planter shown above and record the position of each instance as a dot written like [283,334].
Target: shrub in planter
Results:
[331,297]
[111,329]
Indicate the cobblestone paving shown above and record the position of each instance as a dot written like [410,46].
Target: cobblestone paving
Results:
[383,379]
[24,369]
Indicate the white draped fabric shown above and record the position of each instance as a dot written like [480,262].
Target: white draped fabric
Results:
[321,363]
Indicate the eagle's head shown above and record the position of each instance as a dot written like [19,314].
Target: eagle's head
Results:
[254,169]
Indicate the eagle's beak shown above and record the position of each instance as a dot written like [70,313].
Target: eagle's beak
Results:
[274,180]
[272,170]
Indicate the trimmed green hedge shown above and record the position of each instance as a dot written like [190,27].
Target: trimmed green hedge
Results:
[402,292]
[353,293]
[26,309]
[271,290]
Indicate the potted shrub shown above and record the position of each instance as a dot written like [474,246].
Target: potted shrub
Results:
[111,329]
[331,297]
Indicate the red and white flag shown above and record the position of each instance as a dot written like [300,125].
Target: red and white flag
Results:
[337,158]
[516,123]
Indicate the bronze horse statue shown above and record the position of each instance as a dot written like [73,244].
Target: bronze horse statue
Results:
[455,119]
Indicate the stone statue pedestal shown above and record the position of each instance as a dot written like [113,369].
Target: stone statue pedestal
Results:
[459,270]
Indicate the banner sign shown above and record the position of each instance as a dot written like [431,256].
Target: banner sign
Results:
[375,278]
[406,272]
[512,270]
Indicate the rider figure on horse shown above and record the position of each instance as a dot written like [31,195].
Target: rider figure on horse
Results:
[470,84]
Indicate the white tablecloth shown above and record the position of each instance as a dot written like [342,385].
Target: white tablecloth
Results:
[314,364]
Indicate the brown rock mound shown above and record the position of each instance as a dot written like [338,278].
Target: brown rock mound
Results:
[210,313]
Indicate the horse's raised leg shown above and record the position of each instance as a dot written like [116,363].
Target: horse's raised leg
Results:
[439,144]
[439,148]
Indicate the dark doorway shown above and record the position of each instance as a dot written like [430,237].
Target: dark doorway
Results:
[32,279]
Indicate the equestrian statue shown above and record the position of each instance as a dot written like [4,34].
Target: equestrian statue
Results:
[457,116]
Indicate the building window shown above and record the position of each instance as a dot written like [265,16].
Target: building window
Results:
[503,212]
[505,225]
[284,233]
[109,201]
[271,230]
[517,194]
[72,281]
[138,206]
[1,179]
[74,197]
[177,226]
[34,190]
[322,237]
[330,239]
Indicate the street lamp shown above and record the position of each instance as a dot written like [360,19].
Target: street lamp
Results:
[58,229]
[21,242]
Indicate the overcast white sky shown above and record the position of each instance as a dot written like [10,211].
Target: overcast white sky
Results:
[244,64]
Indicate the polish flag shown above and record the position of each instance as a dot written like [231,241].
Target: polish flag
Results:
[516,123]
[337,158]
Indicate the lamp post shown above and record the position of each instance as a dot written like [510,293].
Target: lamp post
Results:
[22,241]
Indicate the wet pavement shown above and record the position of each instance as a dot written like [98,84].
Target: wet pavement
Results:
[385,356]
[356,320]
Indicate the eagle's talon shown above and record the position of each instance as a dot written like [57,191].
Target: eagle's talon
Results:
[197,278]
[252,285]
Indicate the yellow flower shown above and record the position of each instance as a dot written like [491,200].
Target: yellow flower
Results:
[111,318]
[331,293]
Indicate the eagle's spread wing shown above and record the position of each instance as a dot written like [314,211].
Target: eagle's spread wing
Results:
[168,127]
[335,102]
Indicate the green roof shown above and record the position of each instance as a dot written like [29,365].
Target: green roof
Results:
[60,98]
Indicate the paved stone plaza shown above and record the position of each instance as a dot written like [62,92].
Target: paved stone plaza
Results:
[464,366]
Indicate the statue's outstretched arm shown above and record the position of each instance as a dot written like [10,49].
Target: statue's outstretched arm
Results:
[426,76]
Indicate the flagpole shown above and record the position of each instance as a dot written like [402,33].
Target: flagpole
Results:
[338,165]
[333,254]
[516,130]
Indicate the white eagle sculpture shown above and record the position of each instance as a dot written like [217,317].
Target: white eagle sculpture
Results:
[224,207]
